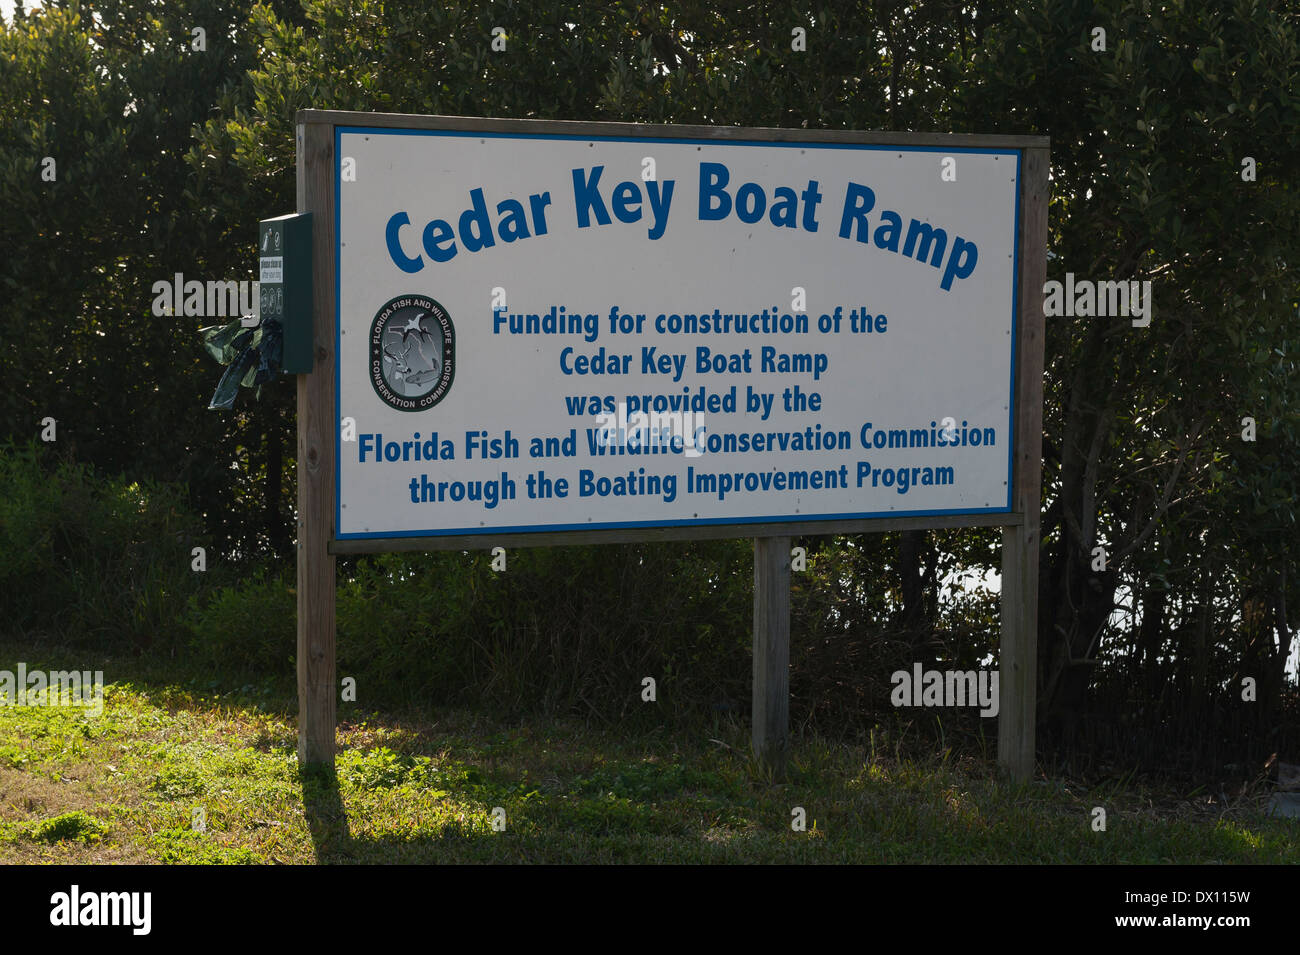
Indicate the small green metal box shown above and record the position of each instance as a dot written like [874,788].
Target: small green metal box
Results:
[284,260]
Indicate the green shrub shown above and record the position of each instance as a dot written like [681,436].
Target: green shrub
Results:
[246,627]
[577,629]
[183,846]
[91,559]
[75,826]
[563,629]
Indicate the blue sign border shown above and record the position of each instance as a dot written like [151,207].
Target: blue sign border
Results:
[339,131]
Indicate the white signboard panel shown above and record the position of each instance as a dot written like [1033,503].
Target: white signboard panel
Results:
[554,332]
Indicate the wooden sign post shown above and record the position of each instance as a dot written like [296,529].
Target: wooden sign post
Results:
[771,693]
[317,428]
[899,278]
[1019,603]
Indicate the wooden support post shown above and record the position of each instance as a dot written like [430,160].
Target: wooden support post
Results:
[1018,671]
[1018,678]
[771,702]
[317,686]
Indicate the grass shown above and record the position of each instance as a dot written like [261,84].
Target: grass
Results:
[176,772]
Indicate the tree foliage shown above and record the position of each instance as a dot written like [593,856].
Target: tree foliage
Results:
[167,157]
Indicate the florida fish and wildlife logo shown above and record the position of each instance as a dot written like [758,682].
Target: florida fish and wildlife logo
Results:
[412,353]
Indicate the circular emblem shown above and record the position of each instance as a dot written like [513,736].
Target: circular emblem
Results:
[412,353]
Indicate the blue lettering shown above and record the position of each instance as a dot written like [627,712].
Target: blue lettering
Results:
[713,178]
[587,199]
[400,258]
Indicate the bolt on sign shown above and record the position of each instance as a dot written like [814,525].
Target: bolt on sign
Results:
[543,331]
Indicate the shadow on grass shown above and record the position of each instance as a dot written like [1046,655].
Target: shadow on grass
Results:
[327,819]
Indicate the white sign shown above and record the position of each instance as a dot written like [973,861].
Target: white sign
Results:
[546,332]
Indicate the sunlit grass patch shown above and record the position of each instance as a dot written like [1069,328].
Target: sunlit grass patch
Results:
[76,826]
[177,773]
